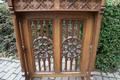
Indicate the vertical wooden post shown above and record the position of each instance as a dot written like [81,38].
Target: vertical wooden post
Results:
[57,44]
[88,25]
[19,44]
[28,46]
[95,39]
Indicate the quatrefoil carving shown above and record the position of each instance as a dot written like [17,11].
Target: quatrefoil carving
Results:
[43,47]
[71,48]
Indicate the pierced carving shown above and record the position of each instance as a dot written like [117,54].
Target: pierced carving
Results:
[43,47]
[42,44]
[71,48]
[34,4]
[21,5]
[79,4]
[31,5]
[71,44]
[49,4]
[43,52]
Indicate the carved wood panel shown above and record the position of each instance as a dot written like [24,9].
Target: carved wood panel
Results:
[64,50]
[71,44]
[37,5]
[34,4]
[79,4]
[42,44]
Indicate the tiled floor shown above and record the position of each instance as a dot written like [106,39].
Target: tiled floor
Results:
[10,70]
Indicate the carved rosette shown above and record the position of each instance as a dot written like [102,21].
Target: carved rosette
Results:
[71,48]
[43,47]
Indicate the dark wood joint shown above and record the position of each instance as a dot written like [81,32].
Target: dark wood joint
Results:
[102,10]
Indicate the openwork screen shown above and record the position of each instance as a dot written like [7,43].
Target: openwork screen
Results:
[79,4]
[30,5]
[72,31]
[43,44]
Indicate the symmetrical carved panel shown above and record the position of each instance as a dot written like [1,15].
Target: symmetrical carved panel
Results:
[34,4]
[31,5]
[71,44]
[79,4]
[42,44]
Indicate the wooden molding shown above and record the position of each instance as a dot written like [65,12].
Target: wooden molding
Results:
[56,5]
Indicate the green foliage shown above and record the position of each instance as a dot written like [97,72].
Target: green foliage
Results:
[112,2]
[7,40]
[108,57]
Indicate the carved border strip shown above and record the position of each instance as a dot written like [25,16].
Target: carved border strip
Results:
[49,5]
[34,5]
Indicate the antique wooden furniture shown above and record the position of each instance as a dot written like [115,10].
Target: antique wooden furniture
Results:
[57,37]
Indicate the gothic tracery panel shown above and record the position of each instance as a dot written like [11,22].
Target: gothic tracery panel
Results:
[42,44]
[71,44]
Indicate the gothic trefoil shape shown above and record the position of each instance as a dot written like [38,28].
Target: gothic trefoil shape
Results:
[21,5]
[34,4]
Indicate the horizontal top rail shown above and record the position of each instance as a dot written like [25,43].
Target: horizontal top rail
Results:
[55,5]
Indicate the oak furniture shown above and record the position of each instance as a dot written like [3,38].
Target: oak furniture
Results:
[57,38]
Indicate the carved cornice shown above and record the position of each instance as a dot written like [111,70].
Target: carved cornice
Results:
[79,4]
[34,5]
[48,5]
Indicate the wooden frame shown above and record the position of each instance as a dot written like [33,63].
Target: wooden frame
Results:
[90,11]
